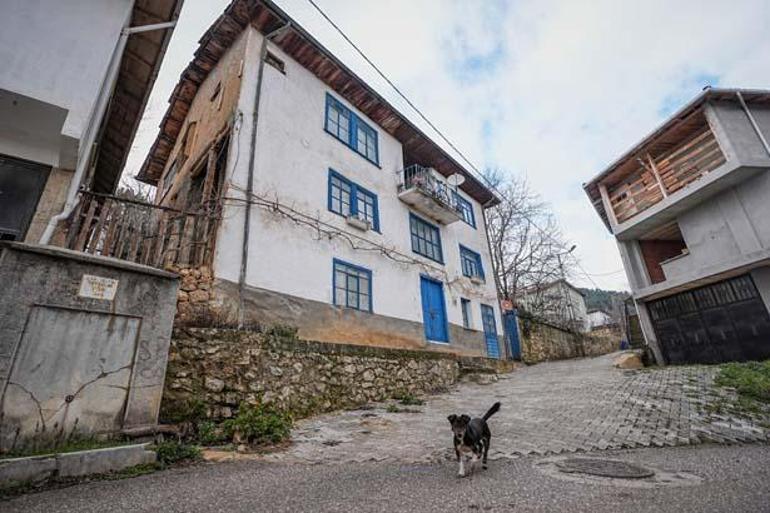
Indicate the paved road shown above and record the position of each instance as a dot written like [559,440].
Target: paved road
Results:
[731,479]
[551,408]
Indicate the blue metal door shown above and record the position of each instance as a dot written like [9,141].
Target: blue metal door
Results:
[433,310]
[512,334]
[490,331]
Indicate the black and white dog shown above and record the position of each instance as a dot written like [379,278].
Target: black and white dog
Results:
[471,437]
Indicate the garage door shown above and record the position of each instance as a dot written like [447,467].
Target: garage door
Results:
[21,184]
[726,321]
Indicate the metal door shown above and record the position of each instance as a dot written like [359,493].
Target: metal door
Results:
[512,334]
[433,310]
[490,331]
[726,321]
[21,184]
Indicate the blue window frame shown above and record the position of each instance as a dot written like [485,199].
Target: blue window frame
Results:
[351,130]
[352,286]
[466,209]
[470,262]
[347,198]
[465,304]
[426,239]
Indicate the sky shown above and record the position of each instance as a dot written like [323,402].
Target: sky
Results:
[549,90]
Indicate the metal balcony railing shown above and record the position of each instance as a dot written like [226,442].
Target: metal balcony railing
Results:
[420,177]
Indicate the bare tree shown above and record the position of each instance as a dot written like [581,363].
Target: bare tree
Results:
[528,247]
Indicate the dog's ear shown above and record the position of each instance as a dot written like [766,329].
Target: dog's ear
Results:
[465,418]
[452,418]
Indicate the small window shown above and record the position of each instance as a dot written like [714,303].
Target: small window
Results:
[275,62]
[168,180]
[426,239]
[465,304]
[466,209]
[470,262]
[350,199]
[351,130]
[352,286]
[216,92]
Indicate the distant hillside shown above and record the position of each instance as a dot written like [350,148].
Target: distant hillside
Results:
[603,299]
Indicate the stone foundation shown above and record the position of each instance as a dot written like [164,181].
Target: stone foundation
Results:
[224,368]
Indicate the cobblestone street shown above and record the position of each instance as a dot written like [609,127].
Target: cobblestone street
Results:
[550,408]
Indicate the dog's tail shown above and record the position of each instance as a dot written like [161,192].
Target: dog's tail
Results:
[494,409]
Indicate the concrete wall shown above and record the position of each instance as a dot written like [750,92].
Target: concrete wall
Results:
[293,157]
[57,54]
[72,358]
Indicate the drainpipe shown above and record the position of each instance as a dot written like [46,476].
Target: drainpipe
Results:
[753,122]
[102,101]
[250,179]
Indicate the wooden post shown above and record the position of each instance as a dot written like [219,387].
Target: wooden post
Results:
[608,206]
[656,173]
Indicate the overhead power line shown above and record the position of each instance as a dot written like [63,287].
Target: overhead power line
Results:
[467,160]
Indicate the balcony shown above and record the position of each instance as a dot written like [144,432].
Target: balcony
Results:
[425,193]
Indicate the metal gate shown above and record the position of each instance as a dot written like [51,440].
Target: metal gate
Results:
[726,321]
[511,326]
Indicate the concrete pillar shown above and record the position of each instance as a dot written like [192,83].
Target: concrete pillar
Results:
[761,278]
[645,321]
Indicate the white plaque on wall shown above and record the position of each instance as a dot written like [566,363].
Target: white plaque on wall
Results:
[98,287]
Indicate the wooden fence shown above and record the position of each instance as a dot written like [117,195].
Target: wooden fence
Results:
[141,232]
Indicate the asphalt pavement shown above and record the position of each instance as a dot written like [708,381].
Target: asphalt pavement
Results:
[703,478]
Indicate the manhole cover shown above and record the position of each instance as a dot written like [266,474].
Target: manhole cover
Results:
[604,468]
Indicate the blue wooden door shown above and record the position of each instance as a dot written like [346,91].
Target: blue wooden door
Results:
[490,331]
[512,333]
[433,310]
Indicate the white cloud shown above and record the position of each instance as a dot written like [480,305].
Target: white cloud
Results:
[563,87]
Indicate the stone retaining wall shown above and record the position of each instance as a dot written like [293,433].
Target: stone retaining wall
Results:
[223,368]
[541,342]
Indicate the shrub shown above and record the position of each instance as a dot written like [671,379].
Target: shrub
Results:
[174,451]
[209,433]
[190,410]
[260,424]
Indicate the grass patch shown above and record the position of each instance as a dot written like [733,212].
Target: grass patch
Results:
[408,399]
[751,380]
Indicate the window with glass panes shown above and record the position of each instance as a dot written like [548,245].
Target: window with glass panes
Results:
[465,304]
[426,239]
[351,130]
[352,286]
[350,199]
[466,210]
[470,262]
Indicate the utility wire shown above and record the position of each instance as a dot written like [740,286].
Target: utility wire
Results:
[473,167]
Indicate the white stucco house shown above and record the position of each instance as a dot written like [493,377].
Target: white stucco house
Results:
[558,302]
[337,214]
[74,80]
[688,206]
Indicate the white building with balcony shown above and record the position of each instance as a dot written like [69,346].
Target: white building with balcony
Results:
[689,207]
[336,214]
